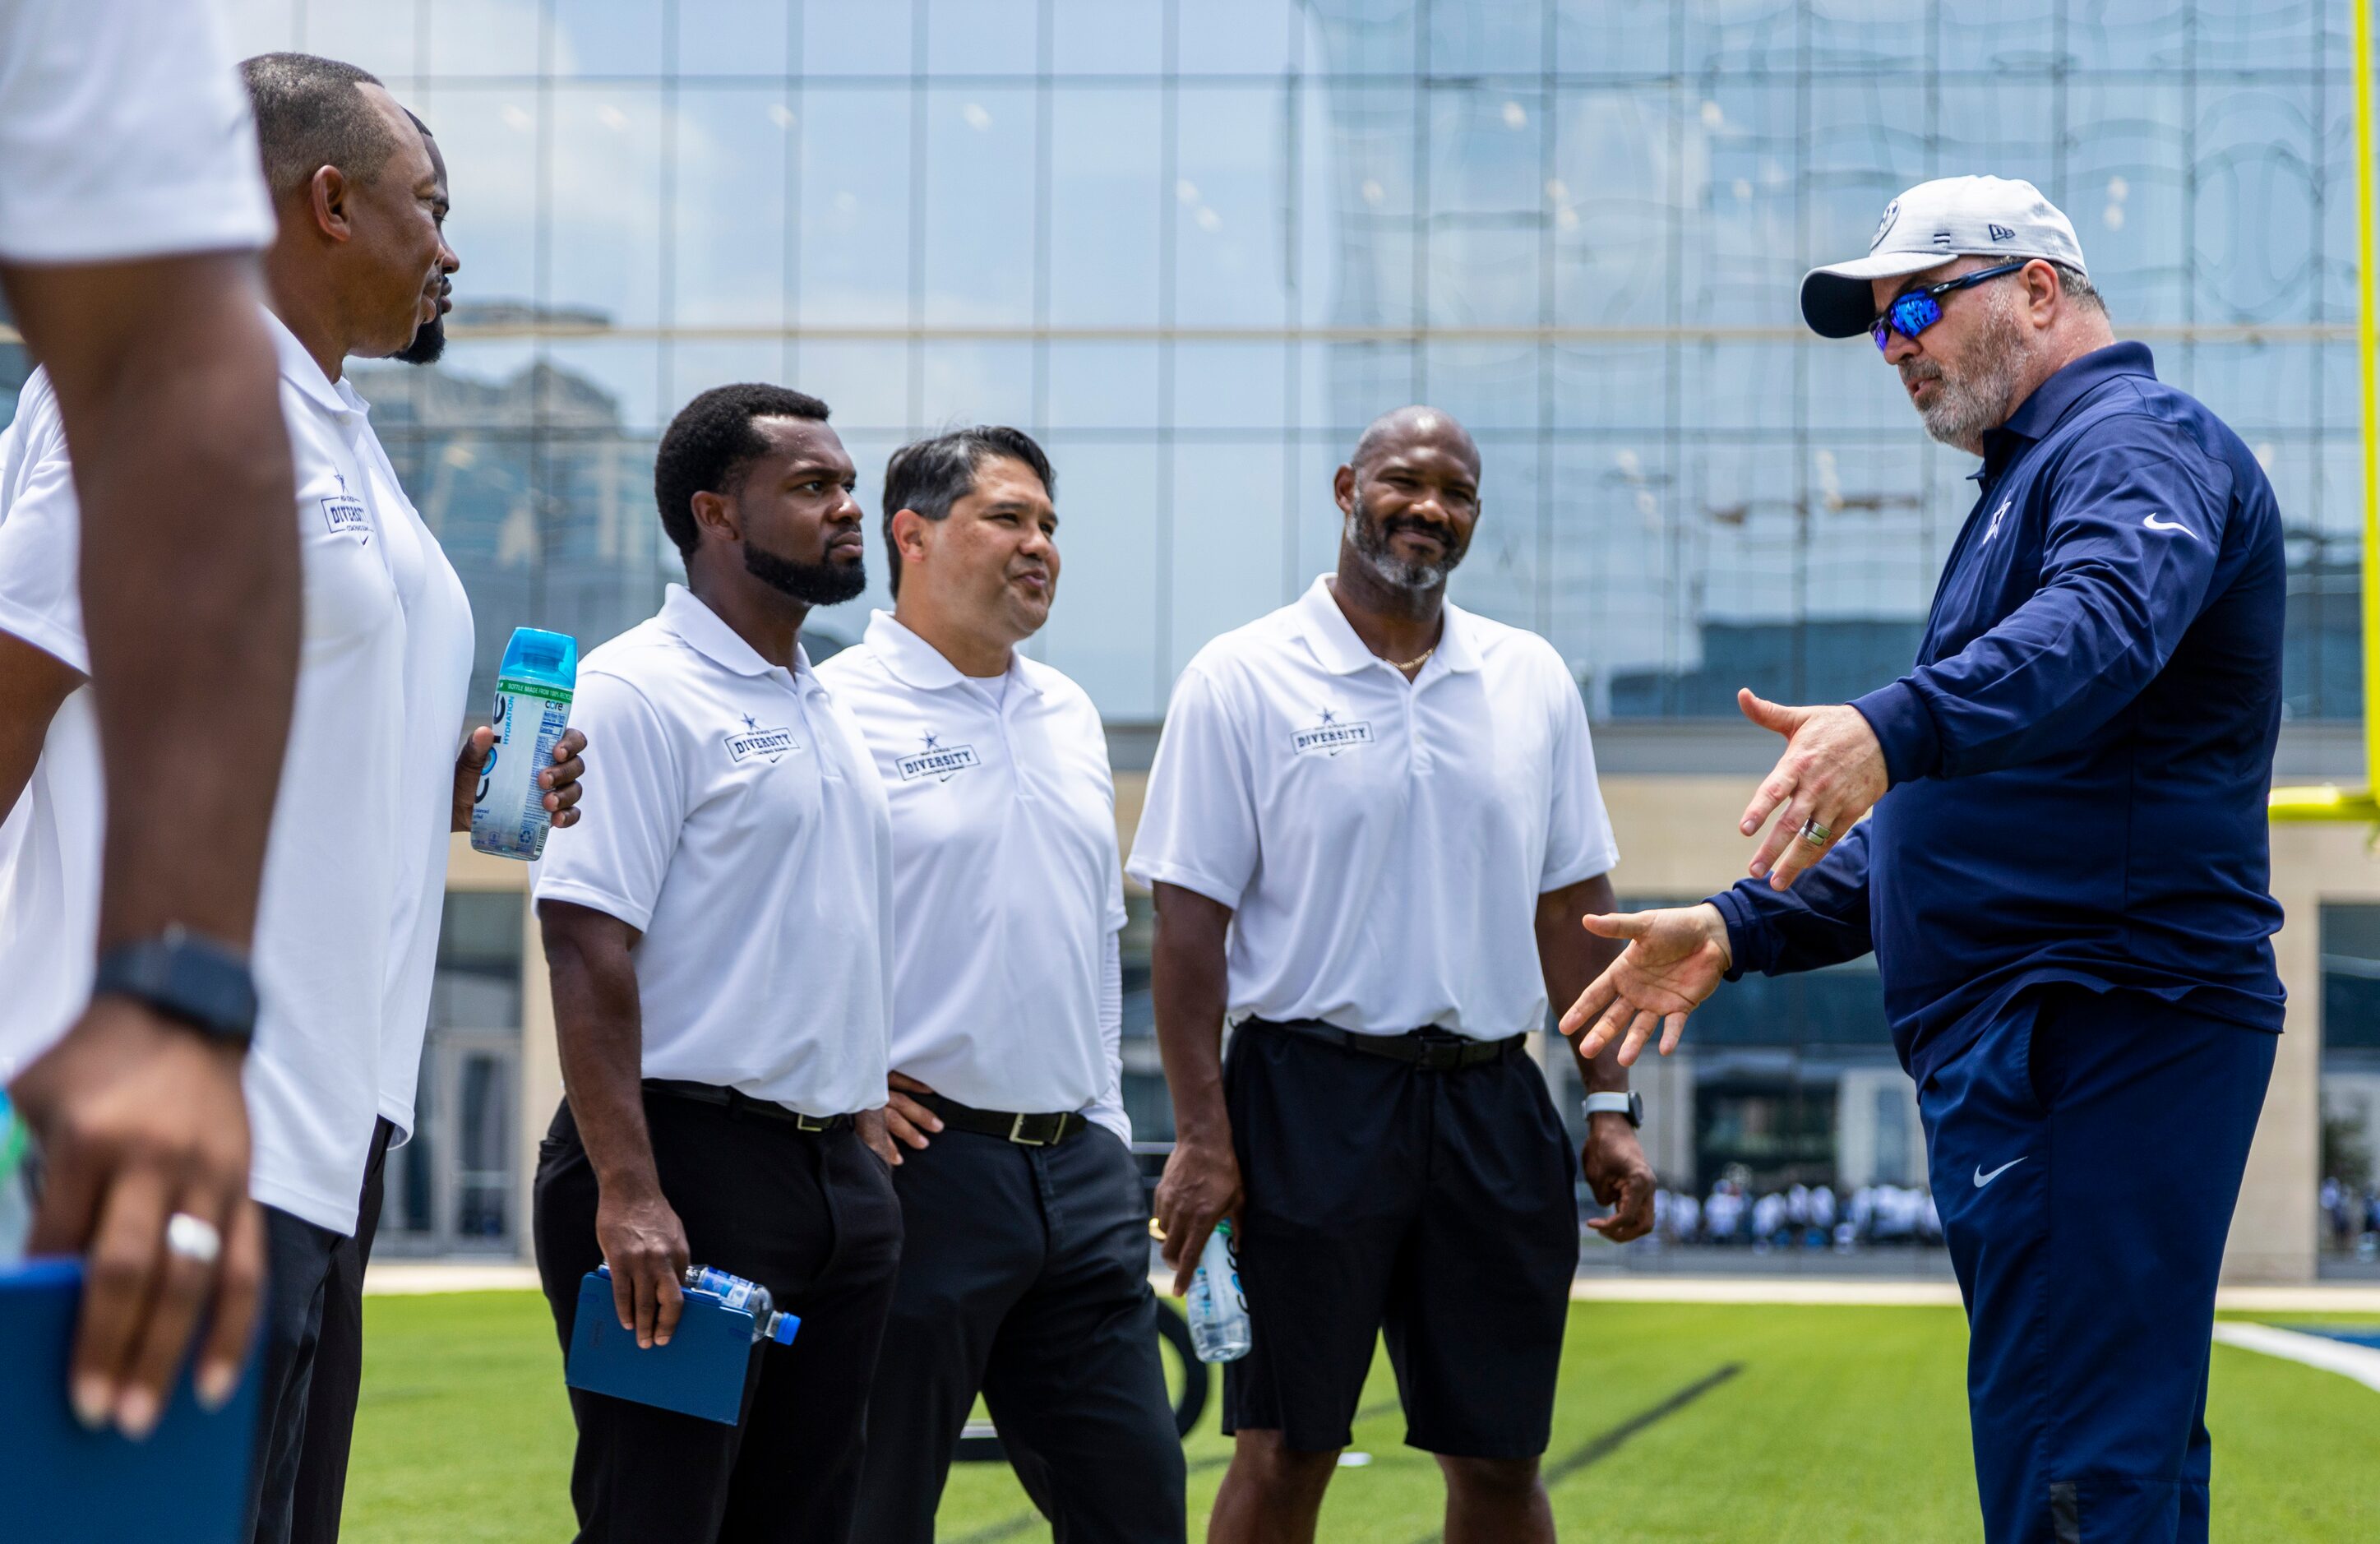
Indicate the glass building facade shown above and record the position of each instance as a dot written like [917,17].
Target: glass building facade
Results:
[1198,244]
[1195,245]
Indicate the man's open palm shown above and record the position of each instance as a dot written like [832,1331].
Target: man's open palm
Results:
[1675,958]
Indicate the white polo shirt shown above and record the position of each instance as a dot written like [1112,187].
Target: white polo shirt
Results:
[1382,843]
[124,133]
[439,641]
[50,842]
[1007,889]
[384,669]
[735,819]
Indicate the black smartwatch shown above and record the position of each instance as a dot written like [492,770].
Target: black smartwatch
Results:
[1630,1104]
[189,978]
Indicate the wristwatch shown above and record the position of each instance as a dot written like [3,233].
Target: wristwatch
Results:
[194,980]
[1630,1104]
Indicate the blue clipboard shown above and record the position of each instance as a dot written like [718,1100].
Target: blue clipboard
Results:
[188,1482]
[700,1372]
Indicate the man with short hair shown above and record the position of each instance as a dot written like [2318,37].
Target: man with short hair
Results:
[2066,886]
[346,946]
[338,1353]
[1024,1261]
[1373,829]
[718,930]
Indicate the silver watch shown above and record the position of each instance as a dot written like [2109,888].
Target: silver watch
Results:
[1630,1104]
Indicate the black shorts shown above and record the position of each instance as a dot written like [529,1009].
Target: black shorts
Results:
[1437,1206]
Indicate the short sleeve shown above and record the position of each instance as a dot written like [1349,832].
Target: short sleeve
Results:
[1116,915]
[41,533]
[124,133]
[614,858]
[1198,823]
[1579,843]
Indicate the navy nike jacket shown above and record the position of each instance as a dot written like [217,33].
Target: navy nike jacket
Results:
[2080,758]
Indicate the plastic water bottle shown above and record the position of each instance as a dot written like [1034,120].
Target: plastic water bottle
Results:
[534,689]
[1218,1313]
[744,1296]
[16,1201]
[752,1298]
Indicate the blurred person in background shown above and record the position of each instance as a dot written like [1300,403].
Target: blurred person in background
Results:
[1372,822]
[131,213]
[2066,879]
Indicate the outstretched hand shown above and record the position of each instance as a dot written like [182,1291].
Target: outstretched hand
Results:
[1832,772]
[1675,958]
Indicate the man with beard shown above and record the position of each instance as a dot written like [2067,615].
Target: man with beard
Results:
[719,930]
[338,1351]
[2066,885]
[1024,1254]
[1373,829]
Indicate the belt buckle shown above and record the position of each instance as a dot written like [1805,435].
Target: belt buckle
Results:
[1016,1134]
[810,1122]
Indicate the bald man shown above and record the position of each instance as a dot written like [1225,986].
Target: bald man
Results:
[1372,828]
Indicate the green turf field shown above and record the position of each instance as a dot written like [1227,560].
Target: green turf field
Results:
[1774,1424]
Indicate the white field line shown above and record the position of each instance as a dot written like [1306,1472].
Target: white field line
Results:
[412,1278]
[2359,1362]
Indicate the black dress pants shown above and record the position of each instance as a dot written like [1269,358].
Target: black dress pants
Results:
[810,1216]
[338,1366]
[1025,1274]
[297,1264]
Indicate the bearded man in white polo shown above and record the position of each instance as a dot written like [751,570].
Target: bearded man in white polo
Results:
[1372,828]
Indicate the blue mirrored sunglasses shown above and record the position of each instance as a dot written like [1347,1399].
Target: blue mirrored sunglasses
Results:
[1912,314]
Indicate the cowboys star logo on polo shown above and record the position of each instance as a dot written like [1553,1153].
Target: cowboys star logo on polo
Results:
[938,760]
[346,515]
[752,740]
[1330,734]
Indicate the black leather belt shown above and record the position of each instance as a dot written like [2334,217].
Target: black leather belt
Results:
[1026,1131]
[743,1103]
[1429,1050]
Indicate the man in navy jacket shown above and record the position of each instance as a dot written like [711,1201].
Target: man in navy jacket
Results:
[2065,881]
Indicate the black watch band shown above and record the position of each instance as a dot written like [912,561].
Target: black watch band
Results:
[186,977]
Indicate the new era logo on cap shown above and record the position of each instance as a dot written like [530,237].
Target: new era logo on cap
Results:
[1933,222]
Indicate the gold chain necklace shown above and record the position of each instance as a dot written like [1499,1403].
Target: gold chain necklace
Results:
[1418,660]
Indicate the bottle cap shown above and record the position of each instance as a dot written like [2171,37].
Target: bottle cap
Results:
[537,655]
[781,1327]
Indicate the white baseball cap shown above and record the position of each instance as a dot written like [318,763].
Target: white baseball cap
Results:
[1931,224]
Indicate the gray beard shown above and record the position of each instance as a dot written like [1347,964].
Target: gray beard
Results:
[1967,407]
[1371,545]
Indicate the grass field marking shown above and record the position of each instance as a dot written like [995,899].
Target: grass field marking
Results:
[2358,1362]
[1604,1444]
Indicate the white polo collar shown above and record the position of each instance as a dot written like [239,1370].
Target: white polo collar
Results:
[1332,637]
[684,614]
[298,368]
[923,667]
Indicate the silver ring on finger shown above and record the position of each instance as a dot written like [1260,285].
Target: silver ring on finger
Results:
[1816,833]
[193,1238]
